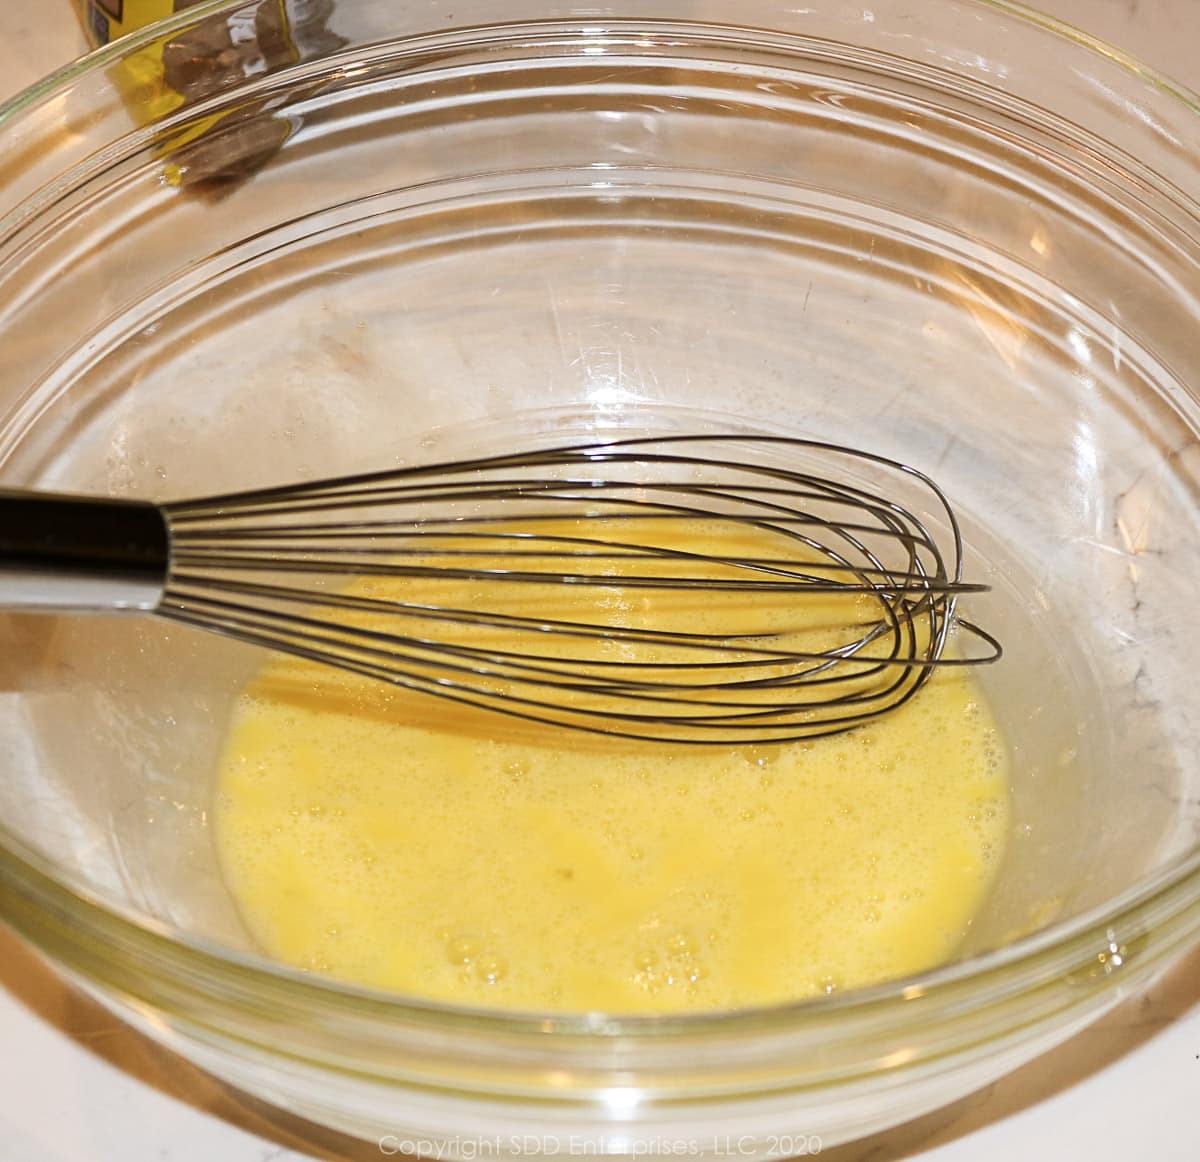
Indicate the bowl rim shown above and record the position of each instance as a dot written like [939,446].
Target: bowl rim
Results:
[1171,893]
[132,42]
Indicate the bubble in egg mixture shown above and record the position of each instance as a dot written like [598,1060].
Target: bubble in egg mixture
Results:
[437,850]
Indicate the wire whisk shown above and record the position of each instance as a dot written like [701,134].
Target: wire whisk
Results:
[726,588]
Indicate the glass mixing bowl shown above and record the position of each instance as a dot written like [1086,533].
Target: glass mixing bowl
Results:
[241,249]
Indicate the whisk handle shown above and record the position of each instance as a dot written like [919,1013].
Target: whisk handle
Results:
[61,552]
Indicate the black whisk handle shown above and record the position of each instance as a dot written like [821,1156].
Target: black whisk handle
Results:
[60,552]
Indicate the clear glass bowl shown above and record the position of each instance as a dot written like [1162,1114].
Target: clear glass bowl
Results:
[955,234]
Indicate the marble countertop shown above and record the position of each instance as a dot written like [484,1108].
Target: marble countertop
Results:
[77,1086]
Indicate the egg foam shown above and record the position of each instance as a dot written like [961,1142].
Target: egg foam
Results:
[441,851]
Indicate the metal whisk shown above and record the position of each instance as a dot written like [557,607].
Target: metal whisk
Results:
[692,589]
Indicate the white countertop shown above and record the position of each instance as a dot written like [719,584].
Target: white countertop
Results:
[77,1086]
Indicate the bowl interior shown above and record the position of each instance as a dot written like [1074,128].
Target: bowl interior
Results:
[533,233]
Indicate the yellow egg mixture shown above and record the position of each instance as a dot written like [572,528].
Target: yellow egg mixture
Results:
[400,841]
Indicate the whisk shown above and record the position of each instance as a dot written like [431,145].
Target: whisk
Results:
[723,588]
